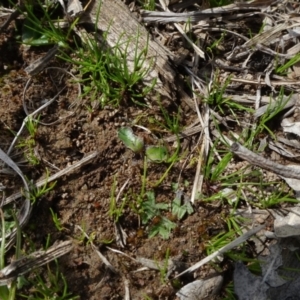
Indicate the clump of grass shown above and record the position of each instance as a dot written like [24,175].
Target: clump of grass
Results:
[39,26]
[221,103]
[106,75]
[47,285]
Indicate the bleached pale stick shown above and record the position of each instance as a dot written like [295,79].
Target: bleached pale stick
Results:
[257,160]
[31,116]
[184,133]
[41,63]
[33,261]
[224,249]
[196,16]
[57,175]
[25,210]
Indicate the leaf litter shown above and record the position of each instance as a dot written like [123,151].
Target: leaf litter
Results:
[253,44]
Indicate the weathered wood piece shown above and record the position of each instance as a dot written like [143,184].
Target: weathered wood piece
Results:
[257,160]
[34,260]
[124,30]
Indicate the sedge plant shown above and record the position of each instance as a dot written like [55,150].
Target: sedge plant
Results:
[105,72]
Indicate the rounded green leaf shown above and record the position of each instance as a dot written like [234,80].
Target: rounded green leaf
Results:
[157,153]
[130,140]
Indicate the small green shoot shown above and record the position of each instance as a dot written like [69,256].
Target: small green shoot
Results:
[266,117]
[212,171]
[54,287]
[114,211]
[163,228]
[171,160]
[31,34]
[163,268]
[38,192]
[219,241]
[225,105]
[130,140]
[180,210]
[31,125]
[150,210]
[171,122]
[84,238]
[229,292]
[8,292]
[29,143]
[56,220]
[216,43]
[267,200]
[39,27]
[148,4]
[282,70]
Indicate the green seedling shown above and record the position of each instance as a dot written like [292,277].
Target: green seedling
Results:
[129,80]
[158,154]
[233,223]
[216,43]
[114,211]
[163,228]
[130,140]
[38,192]
[229,292]
[150,210]
[266,117]
[225,105]
[212,171]
[171,122]
[5,292]
[213,175]
[180,210]
[148,4]
[282,70]
[171,160]
[219,241]
[31,125]
[278,196]
[84,238]
[29,143]
[9,221]
[56,220]
[163,269]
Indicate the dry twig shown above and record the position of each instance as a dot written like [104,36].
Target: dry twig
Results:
[257,160]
